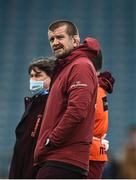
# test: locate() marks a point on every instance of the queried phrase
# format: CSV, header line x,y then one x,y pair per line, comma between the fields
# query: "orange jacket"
x,y
97,149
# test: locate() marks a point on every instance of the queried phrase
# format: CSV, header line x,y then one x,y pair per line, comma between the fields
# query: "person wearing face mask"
x,y
27,130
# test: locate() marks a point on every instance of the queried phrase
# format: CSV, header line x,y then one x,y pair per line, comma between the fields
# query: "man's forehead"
x,y
57,31
35,70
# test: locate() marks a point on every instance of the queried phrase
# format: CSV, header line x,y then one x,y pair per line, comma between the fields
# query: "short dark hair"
x,y
43,63
71,27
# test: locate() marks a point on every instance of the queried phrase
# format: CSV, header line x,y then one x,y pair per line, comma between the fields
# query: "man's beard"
x,y
63,55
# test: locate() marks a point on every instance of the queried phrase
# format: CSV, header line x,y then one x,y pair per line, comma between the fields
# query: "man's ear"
x,y
76,40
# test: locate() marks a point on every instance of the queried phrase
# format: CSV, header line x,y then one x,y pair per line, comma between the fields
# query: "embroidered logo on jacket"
x,y
78,84
33,133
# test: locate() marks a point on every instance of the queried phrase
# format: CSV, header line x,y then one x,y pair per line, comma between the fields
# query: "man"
x,y
99,146
28,128
62,150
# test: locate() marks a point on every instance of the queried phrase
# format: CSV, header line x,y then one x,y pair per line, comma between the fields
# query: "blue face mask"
x,y
36,86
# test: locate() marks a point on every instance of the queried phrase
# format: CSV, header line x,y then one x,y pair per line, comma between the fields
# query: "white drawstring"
x,y
103,141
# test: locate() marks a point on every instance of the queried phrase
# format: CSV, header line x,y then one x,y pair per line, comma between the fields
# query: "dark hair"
x,y
71,27
44,64
97,61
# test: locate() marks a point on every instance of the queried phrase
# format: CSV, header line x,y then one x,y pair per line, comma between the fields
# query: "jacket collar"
x,y
90,49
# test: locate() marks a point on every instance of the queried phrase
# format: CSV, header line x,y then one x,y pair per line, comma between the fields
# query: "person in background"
x,y
99,146
62,150
127,164
27,130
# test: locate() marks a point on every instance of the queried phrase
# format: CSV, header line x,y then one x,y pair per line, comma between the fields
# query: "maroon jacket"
x,y
70,108
27,133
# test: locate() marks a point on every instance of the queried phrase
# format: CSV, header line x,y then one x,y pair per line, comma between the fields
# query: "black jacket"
x,y
27,133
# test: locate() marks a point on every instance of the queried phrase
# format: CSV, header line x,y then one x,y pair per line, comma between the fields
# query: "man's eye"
x,y
52,39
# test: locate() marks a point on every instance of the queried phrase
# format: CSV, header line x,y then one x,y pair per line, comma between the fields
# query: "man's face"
x,y
37,74
61,43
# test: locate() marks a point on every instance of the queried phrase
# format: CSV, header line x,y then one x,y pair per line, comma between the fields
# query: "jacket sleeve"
x,y
81,87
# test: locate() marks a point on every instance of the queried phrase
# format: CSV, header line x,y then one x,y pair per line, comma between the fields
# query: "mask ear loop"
x,y
46,84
